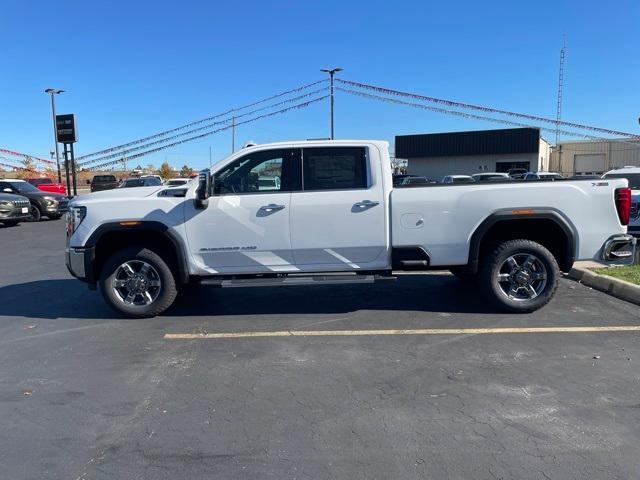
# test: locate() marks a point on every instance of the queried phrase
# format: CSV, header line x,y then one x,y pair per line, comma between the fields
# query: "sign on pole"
x,y
66,128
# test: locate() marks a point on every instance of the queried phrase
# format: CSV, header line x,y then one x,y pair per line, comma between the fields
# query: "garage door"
x,y
591,163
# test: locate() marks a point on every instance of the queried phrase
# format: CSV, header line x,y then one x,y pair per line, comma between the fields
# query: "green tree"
x,y
165,171
185,171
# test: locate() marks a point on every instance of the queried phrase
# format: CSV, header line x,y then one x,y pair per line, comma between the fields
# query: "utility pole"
x,y
53,92
233,134
331,73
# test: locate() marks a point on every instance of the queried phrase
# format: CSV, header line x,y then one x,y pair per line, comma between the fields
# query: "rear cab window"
x,y
334,168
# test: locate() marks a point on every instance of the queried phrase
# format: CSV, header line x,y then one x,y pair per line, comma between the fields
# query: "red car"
x,y
47,185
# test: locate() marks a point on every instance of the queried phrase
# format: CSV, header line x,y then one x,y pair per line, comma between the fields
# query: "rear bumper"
x,y
619,249
80,263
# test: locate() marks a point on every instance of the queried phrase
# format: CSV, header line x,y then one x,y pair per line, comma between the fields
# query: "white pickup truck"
x,y
319,212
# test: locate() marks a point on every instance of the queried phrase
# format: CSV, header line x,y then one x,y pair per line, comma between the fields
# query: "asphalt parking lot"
x,y
87,395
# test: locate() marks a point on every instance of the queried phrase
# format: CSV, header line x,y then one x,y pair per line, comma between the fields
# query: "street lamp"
x,y
331,73
53,92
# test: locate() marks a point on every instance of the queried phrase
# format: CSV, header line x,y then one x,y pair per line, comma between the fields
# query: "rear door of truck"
x,y
338,219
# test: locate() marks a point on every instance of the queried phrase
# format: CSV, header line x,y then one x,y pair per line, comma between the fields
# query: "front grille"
x,y
21,203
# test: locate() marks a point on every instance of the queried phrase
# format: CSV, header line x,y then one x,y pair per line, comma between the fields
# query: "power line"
x,y
122,153
206,134
201,121
469,106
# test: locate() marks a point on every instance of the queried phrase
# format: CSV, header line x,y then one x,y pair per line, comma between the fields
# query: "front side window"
x,y
262,171
334,168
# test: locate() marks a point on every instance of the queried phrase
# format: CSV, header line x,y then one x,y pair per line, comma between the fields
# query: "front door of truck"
x,y
338,218
245,228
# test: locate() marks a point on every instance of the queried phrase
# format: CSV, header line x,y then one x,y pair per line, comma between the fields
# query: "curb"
x,y
613,286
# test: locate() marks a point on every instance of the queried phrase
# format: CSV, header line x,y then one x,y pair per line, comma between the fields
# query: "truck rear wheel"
x,y
520,276
137,283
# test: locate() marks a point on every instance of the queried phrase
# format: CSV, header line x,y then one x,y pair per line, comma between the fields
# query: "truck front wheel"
x,y
520,276
137,283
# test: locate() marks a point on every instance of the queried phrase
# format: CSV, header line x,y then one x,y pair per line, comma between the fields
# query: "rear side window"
x,y
334,168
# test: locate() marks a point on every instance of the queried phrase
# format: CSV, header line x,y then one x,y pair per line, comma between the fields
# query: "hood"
x,y
120,193
42,194
10,197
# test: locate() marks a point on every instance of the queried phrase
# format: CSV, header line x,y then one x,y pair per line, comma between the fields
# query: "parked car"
x,y
415,180
397,179
140,182
176,182
551,176
457,179
632,174
42,204
158,177
13,209
268,183
47,185
103,182
490,177
584,177
517,173
341,221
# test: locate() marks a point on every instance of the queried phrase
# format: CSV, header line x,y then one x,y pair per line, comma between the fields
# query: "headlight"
x,y
5,203
75,215
51,202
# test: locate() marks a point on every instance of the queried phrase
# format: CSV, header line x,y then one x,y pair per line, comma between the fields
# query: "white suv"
x,y
633,175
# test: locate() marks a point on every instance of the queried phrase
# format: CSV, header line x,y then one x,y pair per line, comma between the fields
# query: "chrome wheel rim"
x,y
136,283
522,277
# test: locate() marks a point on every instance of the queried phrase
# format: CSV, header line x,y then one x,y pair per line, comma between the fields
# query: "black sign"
x,y
66,128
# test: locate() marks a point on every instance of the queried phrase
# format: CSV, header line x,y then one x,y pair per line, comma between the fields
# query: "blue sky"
x,y
138,67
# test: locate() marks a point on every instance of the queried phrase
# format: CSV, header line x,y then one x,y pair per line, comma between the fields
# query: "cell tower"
x,y
560,85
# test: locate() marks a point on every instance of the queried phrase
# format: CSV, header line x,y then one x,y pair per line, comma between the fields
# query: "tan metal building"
x,y
594,157
435,155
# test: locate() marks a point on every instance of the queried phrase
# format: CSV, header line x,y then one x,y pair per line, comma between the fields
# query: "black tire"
x,y
163,297
36,214
464,273
522,287
10,223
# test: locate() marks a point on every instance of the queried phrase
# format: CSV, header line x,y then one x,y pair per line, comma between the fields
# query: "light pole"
x,y
331,73
53,92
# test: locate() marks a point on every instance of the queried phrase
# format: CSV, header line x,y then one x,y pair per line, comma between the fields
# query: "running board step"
x,y
297,280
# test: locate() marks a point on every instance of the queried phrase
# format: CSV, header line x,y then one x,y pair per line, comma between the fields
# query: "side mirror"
x,y
203,192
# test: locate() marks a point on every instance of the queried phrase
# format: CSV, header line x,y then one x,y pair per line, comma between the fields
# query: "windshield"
x,y
40,181
133,182
173,183
24,187
634,178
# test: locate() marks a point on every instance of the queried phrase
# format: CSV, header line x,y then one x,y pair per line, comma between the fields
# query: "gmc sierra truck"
x,y
320,212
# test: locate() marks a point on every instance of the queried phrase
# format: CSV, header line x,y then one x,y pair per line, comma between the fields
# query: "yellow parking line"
x,y
420,331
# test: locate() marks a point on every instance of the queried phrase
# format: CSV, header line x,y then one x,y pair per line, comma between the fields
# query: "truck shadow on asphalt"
x,y
68,298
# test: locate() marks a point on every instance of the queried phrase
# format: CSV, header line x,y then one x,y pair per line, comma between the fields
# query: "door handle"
x,y
365,204
272,207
